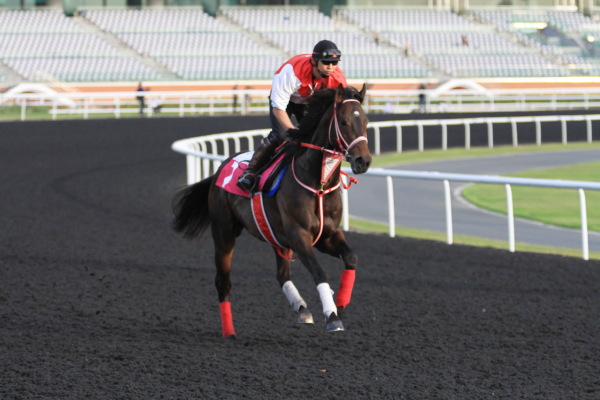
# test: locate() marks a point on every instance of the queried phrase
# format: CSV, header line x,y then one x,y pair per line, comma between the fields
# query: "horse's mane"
x,y
318,103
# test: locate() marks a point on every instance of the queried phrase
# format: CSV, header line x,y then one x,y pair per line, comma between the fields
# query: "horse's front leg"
x,y
284,277
336,246
303,248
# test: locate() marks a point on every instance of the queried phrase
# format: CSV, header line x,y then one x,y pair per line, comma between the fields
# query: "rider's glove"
x,y
293,133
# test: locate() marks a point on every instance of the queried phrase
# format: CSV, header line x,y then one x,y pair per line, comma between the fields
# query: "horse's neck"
x,y
312,160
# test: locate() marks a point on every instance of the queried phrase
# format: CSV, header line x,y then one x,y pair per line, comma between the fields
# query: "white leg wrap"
x,y
293,296
326,295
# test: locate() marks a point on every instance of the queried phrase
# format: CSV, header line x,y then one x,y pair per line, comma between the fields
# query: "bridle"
x,y
343,145
341,141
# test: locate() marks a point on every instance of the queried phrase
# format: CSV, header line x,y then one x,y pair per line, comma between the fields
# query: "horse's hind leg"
x,y
296,301
337,246
223,283
224,234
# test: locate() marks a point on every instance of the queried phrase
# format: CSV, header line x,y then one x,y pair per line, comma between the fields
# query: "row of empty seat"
x,y
566,21
455,42
31,21
352,43
154,20
493,65
190,44
396,20
54,45
280,20
224,67
250,43
82,69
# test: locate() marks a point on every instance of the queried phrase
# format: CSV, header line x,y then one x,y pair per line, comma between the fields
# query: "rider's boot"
x,y
262,153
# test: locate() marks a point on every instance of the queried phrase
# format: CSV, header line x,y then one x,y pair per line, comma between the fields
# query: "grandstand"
x,y
249,43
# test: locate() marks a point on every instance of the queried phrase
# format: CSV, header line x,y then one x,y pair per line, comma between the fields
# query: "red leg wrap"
x,y
346,285
226,319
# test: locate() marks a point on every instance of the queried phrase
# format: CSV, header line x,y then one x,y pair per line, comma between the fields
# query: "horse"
x,y
303,214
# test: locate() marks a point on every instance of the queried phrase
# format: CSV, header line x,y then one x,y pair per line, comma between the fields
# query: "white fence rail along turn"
x,y
205,153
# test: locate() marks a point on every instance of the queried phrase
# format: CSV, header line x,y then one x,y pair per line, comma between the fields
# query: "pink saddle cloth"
x,y
234,168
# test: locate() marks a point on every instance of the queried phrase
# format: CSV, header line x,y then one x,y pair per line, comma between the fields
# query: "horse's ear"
x,y
363,92
339,93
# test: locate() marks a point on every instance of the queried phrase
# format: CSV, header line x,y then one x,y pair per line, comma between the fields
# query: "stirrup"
x,y
247,182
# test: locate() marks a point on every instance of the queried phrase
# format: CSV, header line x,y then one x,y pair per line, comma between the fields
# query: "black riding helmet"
x,y
326,50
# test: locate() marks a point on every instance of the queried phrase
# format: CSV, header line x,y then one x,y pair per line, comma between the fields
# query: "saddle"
x,y
269,176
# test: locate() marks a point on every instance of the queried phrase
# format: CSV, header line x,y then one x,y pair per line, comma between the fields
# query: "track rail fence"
x,y
255,101
204,154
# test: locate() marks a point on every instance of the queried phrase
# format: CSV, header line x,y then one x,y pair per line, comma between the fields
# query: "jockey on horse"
x,y
292,84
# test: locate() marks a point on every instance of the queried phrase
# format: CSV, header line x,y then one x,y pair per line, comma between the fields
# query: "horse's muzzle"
x,y
360,164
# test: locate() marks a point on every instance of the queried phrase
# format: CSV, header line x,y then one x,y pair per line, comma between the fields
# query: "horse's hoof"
x,y
334,324
304,316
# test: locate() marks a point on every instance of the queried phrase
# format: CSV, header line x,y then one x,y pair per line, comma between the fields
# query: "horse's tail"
x,y
190,209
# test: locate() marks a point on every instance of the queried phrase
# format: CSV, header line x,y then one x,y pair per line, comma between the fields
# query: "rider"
x,y
293,82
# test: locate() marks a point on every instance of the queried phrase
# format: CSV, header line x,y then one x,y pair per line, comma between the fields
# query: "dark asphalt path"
x,y
420,204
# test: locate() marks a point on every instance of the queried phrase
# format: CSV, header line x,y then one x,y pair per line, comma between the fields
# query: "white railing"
x,y
446,178
488,121
203,158
248,101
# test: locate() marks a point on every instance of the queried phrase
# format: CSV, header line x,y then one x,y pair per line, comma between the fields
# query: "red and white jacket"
x,y
294,82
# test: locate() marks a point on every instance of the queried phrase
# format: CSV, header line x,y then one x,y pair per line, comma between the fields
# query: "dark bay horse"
x,y
303,214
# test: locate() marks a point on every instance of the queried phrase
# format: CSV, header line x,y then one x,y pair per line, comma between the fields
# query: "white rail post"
x,y
444,135
515,136
511,219
377,136
398,138
391,210
563,129
421,138
538,132
345,207
467,135
584,226
23,109
588,124
490,126
448,199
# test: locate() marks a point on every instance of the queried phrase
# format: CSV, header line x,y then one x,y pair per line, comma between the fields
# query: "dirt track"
x,y
99,299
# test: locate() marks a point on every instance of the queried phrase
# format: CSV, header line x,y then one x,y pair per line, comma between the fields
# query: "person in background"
x,y
141,99
422,98
292,84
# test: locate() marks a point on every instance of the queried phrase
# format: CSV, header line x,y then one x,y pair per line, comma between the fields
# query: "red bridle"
x,y
341,141
343,145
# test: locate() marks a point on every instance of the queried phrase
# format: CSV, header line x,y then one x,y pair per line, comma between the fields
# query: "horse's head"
x,y
348,128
